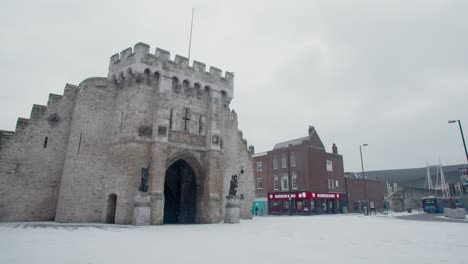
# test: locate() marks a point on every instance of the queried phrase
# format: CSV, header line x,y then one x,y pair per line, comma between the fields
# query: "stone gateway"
x,y
84,157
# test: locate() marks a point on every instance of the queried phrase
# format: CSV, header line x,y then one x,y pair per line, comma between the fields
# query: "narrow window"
x,y
294,181
283,161
170,120
336,183
200,125
293,160
79,144
175,85
275,164
259,166
259,183
276,183
45,142
121,121
329,165
284,185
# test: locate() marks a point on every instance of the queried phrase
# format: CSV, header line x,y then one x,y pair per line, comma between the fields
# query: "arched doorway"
x,y
111,208
179,194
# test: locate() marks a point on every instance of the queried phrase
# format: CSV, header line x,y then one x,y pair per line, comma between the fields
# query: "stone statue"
x,y
144,178
233,185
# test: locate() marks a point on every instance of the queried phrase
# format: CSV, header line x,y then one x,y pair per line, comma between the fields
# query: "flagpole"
x,y
190,41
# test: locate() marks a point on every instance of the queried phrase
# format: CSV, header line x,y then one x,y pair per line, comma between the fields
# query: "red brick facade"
x,y
303,165
360,190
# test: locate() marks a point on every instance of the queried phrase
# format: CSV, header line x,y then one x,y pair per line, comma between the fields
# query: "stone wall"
x,y
31,160
148,109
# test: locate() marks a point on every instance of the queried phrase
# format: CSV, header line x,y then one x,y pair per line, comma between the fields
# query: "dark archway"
x,y
111,208
180,194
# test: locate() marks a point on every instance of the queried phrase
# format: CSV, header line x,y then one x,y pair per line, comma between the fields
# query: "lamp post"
x,y
463,137
363,177
289,178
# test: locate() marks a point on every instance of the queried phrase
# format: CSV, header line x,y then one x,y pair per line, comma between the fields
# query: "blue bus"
x,y
432,204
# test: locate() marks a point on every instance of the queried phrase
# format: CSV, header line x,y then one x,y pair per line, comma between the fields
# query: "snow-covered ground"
x,y
314,239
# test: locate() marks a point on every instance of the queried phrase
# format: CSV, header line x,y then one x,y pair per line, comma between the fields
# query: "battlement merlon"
x,y
139,58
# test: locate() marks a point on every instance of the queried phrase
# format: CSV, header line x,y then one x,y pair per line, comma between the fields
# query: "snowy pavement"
x,y
282,239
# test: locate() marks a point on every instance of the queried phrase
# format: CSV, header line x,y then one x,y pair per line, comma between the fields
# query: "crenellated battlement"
x,y
139,58
38,111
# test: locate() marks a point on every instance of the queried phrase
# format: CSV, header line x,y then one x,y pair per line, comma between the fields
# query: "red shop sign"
x,y
326,196
293,195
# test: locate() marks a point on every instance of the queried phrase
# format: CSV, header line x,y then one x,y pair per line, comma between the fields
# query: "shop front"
x,y
305,203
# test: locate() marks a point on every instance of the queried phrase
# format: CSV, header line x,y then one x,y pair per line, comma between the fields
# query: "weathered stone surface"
x,y
101,133
232,213
142,209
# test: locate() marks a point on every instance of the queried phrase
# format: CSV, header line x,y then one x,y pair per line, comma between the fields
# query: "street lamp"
x,y
463,137
363,177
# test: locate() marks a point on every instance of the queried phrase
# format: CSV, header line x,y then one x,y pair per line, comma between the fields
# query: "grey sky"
x,y
386,73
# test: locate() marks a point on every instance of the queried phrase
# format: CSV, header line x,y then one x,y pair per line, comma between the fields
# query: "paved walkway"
x,y
432,218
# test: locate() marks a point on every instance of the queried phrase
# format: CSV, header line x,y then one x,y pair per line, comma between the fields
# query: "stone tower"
x,y
79,159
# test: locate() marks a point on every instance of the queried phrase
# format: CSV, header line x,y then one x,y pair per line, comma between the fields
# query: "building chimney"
x,y
334,149
252,149
311,128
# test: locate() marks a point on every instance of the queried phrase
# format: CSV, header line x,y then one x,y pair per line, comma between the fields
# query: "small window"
x,y
336,183
275,164
276,183
294,181
293,160
284,183
259,183
283,161
259,166
329,165
45,141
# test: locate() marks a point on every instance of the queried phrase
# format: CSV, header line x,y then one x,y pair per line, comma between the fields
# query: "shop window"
x,y
259,166
294,180
275,207
293,160
259,183
276,183
275,164
284,183
283,161
329,165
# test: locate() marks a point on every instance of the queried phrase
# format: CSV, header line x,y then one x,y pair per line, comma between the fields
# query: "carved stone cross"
x,y
186,118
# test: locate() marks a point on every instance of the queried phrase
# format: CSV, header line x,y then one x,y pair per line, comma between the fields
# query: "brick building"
x,y
360,190
300,177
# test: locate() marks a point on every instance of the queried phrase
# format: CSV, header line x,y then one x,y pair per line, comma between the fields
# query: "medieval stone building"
x,y
79,159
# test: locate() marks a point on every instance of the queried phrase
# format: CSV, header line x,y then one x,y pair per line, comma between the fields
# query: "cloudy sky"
x,y
386,73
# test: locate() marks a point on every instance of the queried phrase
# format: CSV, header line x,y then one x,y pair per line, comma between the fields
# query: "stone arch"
x,y
111,208
156,76
197,88
121,76
175,85
184,182
186,88
208,90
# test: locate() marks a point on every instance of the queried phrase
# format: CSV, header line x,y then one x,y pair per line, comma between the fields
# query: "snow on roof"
x,y
259,154
293,142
